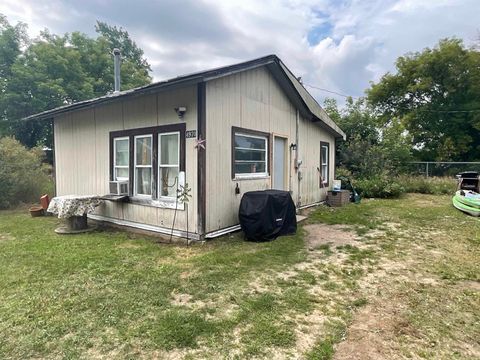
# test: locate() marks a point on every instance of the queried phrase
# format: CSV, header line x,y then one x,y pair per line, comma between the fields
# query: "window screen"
x,y
324,149
250,155
143,165
121,158
168,164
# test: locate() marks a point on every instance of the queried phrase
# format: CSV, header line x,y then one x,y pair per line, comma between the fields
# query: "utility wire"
x,y
446,111
331,91
420,110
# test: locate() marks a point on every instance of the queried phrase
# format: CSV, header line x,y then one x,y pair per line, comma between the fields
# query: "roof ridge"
x,y
305,100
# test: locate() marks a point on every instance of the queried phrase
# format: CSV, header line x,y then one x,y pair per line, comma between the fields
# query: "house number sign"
x,y
191,134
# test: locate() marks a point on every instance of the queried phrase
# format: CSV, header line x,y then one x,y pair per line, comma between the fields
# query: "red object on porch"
x,y
44,200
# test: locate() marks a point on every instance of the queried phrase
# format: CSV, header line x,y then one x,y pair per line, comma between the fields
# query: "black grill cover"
x,y
265,215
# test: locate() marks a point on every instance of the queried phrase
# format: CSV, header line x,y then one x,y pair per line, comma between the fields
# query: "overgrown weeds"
x,y
395,186
428,185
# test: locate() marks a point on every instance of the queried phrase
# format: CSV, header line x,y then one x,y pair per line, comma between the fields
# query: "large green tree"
x,y
371,148
435,95
58,70
12,38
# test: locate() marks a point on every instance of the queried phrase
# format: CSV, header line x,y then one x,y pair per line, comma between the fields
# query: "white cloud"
x,y
415,5
354,42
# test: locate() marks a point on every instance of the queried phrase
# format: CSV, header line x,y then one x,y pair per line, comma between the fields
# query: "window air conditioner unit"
x,y
119,187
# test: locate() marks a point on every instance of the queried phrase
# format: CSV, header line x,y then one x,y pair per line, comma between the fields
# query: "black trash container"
x,y
469,180
265,215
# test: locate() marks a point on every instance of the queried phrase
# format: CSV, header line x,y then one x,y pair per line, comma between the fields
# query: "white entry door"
x,y
279,153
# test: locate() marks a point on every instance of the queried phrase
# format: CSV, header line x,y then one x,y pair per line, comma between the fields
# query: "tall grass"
x,y
394,187
428,185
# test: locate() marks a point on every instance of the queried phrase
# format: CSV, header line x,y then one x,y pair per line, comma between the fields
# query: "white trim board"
x,y
177,233
224,231
153,228
220,232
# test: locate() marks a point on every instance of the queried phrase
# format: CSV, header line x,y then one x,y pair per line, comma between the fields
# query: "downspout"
x,y
297,161
54,162
290,160
201,160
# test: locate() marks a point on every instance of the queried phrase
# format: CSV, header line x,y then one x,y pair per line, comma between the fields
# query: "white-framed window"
x,y
324,161
143,165
168,164
152,159
250,155
121,158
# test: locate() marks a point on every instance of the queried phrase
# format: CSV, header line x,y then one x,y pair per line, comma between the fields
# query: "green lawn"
x,y
117,295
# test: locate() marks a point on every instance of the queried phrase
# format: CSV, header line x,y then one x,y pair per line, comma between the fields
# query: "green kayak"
x,y
467,201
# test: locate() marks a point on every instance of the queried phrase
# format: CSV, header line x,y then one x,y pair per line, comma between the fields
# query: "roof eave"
x,y
155,87
313,111
300,97
152,88
336,131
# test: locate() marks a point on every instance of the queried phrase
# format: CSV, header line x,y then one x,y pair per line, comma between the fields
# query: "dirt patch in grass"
x,y
372,335
188,274
258,286
385,229
181,299
129,245
334,235
6,237
469,285
426,202
309,329
373,332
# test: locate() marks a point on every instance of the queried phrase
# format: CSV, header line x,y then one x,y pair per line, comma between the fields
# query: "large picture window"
x,y
250,153
324,163
121,158
151,159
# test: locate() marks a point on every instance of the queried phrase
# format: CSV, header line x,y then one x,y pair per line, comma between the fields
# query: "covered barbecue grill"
x,y
265,215
469,180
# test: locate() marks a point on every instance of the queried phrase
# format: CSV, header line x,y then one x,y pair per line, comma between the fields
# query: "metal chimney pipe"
x,y
116,68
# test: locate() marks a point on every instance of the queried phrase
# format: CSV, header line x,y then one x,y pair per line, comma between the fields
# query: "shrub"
x,y
23,176
392,187
379,187
430,185
342,171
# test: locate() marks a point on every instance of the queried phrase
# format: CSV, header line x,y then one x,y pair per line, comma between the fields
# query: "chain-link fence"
x,y
442,168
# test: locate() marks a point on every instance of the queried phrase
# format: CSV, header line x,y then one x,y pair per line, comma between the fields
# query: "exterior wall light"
x,y
181,110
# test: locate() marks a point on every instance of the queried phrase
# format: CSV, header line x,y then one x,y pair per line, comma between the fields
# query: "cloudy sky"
x,y
340,45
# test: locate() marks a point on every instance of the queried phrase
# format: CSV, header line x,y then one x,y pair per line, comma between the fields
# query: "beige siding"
x,y
140,112
107,118
83,122
82,152
253,100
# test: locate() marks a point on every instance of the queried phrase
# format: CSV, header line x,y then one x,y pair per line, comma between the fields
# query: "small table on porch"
x,y
74,209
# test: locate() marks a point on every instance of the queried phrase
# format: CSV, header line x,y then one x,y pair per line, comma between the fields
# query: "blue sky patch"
x,y
319,32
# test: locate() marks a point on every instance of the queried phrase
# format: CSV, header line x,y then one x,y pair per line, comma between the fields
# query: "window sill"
x,y
157,203
251,177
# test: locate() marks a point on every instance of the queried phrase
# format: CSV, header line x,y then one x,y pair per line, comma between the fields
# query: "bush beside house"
x,y
23,175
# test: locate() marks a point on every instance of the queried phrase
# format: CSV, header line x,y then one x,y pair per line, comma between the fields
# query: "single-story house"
x,y
226,131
